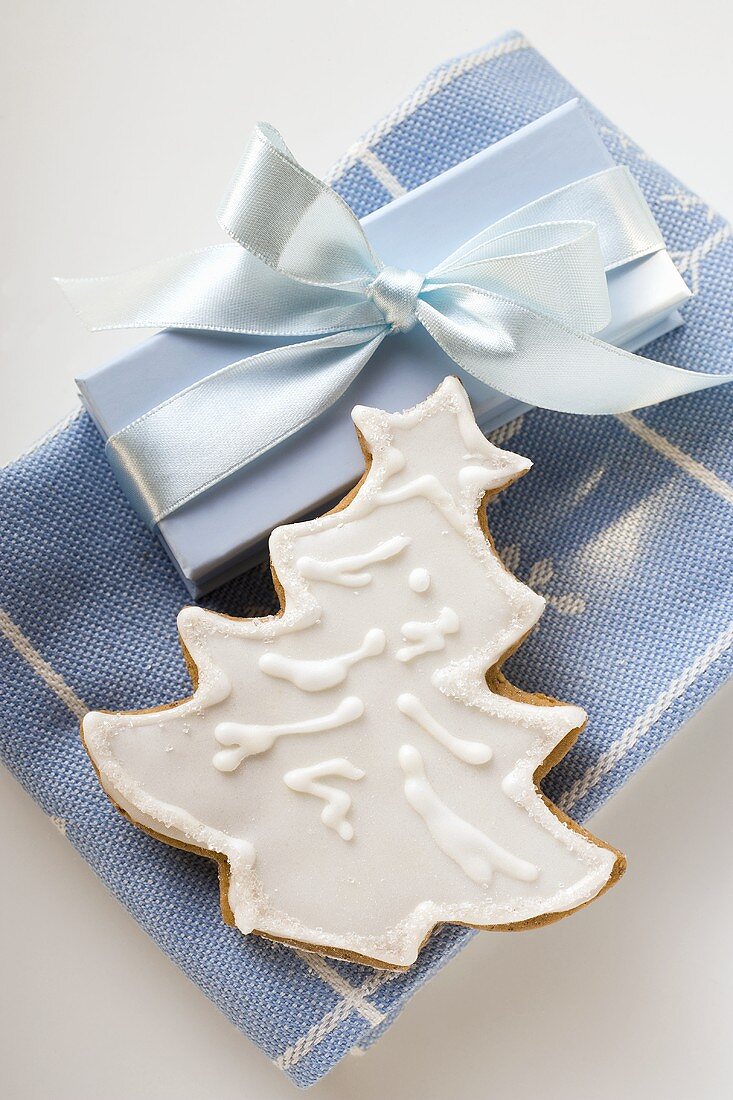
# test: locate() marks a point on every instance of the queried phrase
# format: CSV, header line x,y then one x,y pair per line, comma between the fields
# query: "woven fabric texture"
x,y
624,525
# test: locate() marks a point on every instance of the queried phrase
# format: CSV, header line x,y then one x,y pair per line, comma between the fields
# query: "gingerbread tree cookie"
x,y
350,763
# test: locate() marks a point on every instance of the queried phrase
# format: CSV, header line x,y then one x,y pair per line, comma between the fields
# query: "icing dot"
x,y
419,580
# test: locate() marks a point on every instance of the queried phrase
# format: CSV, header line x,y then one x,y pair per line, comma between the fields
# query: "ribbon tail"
x,y
214,428
539,361
222,289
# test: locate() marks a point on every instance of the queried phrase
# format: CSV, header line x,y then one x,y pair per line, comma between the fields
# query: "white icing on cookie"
x,y
326,673
338,802
347,571
419,580
242,741
427,637
379,895
427,486
472,752
474,852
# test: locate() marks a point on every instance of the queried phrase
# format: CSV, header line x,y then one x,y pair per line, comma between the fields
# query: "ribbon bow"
x,y
516,306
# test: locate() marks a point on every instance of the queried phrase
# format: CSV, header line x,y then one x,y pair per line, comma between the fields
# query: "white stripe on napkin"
x,y
680,458
30,654
328,1023
689,262
623,744
381,172
331,977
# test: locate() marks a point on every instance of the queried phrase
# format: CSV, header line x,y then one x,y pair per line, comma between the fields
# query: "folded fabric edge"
x,y
55,430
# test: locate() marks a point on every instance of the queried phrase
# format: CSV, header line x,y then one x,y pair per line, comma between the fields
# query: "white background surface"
x,y
120,125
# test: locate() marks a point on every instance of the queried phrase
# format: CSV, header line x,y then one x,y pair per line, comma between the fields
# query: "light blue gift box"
x,y
222,532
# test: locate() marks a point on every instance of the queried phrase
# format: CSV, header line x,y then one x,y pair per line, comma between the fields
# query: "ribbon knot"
x,y
395,292
516,306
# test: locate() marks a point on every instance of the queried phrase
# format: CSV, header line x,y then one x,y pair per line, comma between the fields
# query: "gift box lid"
x,y
218,534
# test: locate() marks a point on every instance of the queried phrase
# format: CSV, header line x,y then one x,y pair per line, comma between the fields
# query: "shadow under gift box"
x,y
222,532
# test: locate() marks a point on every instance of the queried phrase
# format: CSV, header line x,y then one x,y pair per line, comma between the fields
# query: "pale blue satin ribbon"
x,y
516,306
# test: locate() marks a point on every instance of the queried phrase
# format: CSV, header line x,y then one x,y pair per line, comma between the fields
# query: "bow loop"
x,y
555,268
395,293
292,221
610,200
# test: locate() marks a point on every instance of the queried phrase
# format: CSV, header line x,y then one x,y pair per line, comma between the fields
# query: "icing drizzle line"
x,y
319,675
347,571
472,850
338,802
428,637
471,752
241,741
428,486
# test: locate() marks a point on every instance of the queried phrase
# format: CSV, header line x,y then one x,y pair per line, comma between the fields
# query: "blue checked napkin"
x,y
624,525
